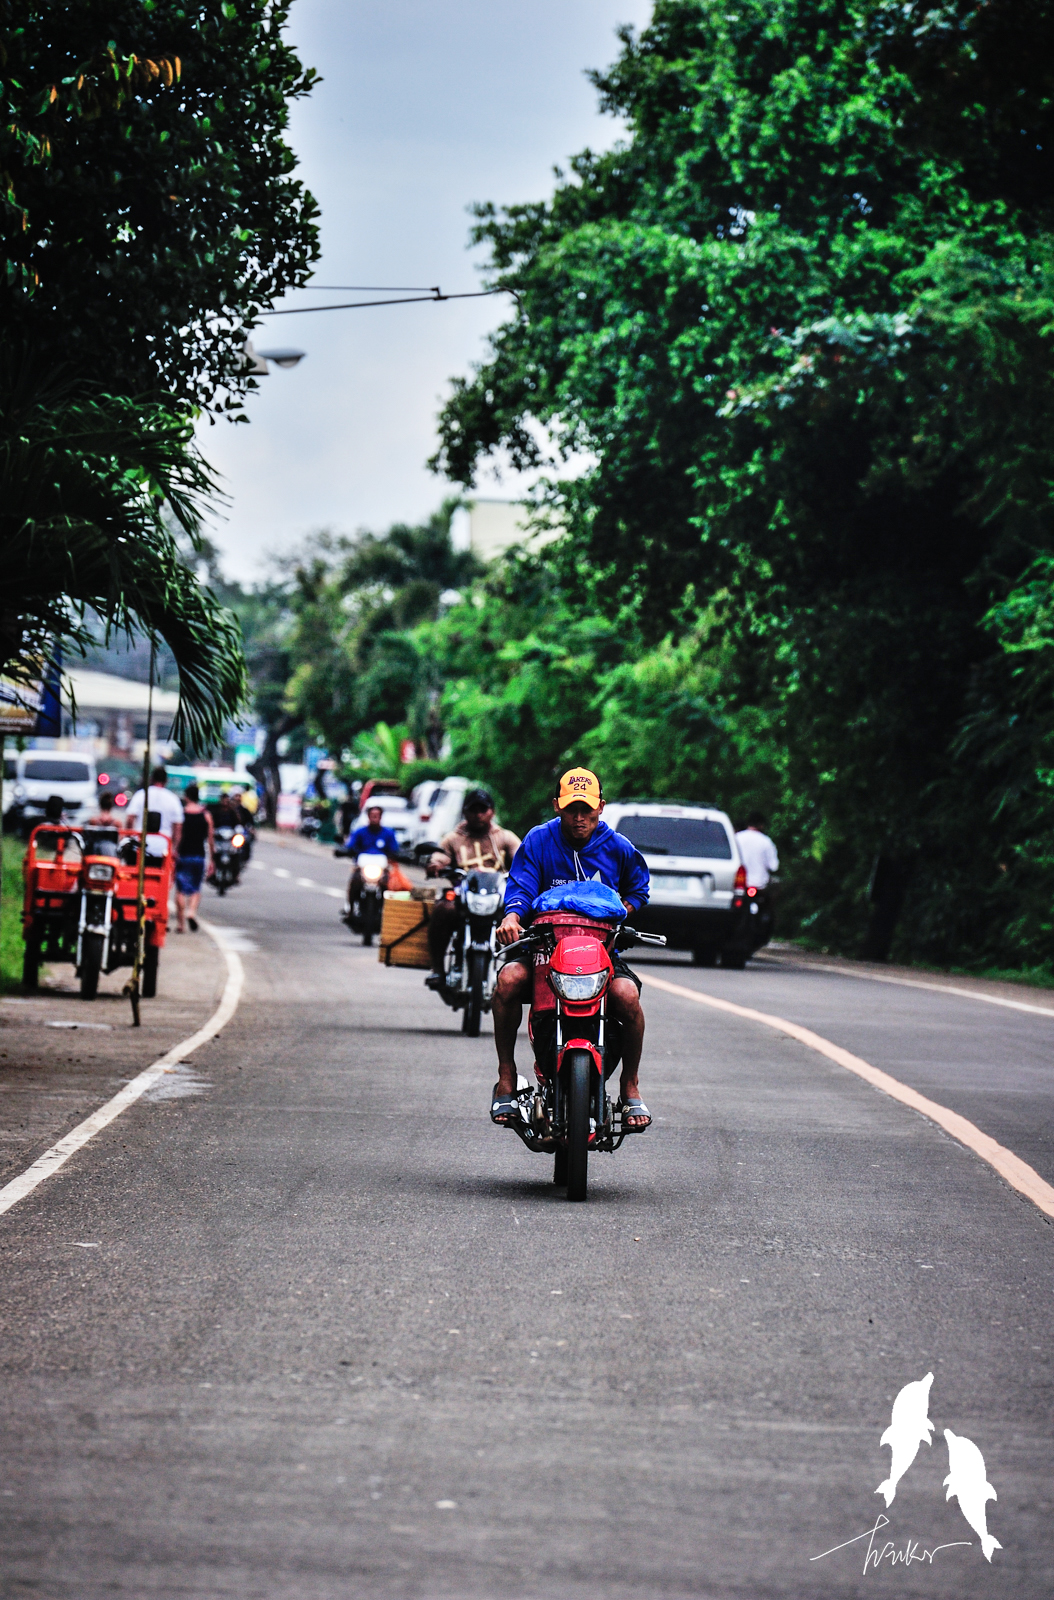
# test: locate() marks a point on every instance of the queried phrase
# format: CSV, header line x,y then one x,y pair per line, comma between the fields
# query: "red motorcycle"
x,y
576,1049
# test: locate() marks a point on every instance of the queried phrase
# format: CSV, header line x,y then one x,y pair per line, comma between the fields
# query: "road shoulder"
x,y
62,1057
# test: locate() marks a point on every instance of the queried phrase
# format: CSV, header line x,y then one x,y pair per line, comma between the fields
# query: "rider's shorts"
x,y
624,970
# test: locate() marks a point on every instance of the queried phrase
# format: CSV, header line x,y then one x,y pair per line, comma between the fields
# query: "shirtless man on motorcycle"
x,y
575,846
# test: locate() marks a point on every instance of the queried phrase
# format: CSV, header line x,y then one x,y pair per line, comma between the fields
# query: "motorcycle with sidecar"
x,y
81,893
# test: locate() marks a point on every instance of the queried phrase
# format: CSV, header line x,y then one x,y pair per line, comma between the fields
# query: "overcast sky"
x,y
423,110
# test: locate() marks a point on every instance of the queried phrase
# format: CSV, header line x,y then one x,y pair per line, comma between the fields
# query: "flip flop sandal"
x,y
502,1106
635,1108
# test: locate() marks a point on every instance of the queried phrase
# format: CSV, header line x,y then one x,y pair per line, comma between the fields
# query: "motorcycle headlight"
x,y
579,985
482,902
99,873
238,840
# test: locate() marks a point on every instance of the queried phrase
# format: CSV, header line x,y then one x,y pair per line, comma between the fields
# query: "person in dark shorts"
x,y
195,842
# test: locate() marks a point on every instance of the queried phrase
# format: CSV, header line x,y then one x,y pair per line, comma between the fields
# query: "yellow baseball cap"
x,y
579,784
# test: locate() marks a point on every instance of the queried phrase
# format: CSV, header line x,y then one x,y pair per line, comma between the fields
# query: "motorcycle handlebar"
x,y
626,935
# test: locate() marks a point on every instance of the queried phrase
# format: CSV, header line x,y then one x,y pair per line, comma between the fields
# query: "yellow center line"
x,y
1017,1173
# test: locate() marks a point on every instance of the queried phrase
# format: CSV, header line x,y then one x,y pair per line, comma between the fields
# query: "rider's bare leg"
x,y
626,1006
181,909
511,990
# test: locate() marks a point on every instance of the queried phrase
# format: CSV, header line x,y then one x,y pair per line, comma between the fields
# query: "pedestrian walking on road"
x,y
195,840
162,804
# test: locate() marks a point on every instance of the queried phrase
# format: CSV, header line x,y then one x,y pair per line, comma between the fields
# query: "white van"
x,y
31,778
437,805
693,859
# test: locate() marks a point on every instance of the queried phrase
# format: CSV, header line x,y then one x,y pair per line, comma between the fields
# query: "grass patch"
x,y
1030,977
1034,977
11,946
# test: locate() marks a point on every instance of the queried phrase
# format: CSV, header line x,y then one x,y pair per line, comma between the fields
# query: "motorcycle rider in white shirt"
x,y
757,852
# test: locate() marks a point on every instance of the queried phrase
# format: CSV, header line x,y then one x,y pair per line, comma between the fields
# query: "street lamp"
x,y
255,361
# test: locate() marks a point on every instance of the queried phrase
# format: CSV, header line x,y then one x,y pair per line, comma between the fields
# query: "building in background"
x,y
111,717
490,527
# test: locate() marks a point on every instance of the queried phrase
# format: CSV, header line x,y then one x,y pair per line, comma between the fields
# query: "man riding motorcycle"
x,y
577,845
373,836
475,842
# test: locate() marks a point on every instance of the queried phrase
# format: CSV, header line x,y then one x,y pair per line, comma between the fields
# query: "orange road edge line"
x,y
1017,1173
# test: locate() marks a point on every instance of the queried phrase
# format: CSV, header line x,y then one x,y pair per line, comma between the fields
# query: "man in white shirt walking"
x,y
757,851
165,804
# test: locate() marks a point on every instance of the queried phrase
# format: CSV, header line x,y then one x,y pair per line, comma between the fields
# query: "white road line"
x,y
918,983
307,883
337,894
1017,1173
59,1154
280,872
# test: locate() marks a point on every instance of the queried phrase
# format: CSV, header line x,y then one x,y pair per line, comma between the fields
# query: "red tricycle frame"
x,y
81,891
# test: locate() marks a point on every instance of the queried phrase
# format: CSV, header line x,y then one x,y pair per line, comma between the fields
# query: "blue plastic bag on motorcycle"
x,y
588,899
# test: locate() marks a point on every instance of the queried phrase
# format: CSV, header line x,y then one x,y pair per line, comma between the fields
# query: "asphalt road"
x,y
317,1330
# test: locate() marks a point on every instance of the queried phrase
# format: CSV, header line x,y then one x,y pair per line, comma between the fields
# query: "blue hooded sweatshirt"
x,y
545,859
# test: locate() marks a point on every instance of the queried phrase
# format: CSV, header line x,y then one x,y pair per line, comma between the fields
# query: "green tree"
x,y
800,319
357,659
89,487
149,213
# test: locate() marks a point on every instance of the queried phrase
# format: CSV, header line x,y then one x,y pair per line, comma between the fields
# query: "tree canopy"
x,y
149,211
800,320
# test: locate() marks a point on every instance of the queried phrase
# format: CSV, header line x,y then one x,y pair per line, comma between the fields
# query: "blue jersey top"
x,y
545,858
366,841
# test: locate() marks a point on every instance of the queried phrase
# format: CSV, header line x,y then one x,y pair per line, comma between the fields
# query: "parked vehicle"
x,y
469,972
81,894
32,777
437,808
569,1113
698,882
230,853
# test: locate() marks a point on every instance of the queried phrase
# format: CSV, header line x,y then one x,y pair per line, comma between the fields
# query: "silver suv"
x,y
693,859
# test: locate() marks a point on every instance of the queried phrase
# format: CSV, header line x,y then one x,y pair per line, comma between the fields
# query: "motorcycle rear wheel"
x,y
474,999
560,1166
578,1086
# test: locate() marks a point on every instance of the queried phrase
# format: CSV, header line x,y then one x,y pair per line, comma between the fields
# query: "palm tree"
x,y
94,489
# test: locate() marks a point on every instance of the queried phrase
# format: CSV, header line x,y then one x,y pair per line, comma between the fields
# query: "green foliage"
x,y
531,688
149,214
356,661
86,480
801,319
12,947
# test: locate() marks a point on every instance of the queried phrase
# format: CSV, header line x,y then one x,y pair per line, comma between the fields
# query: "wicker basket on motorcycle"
x,y
404,934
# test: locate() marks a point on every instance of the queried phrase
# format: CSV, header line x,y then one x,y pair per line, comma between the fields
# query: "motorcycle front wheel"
x,y
578,1069
150,955
31,964
91,965
474,999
